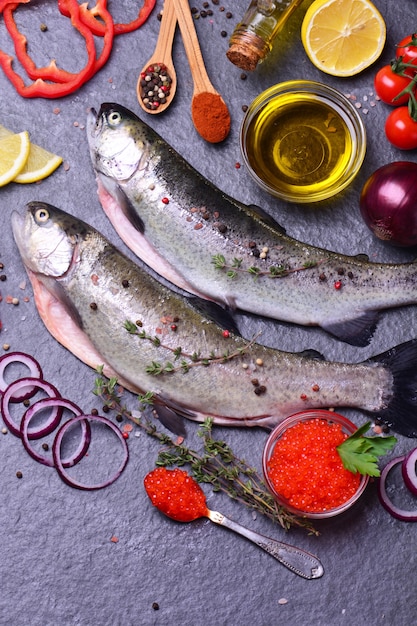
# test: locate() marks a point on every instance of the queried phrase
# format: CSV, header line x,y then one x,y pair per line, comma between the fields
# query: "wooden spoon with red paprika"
x,y
209,112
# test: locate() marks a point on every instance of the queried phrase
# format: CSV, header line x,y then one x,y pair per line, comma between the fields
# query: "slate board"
x,y
59,565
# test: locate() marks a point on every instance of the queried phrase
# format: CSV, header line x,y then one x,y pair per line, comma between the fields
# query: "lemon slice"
x,y
343,37
14,152
39,165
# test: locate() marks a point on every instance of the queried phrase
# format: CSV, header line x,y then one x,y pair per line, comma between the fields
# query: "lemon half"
x,y
343,37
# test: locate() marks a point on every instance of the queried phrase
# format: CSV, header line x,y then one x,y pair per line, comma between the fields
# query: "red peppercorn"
x,y
125,435
226,334
338,284
174,327
165,200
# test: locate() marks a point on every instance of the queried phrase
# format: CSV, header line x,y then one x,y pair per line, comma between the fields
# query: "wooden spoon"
x,y
210,114
162,55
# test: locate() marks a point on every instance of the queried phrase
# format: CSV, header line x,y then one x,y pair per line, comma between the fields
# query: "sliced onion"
x,y
14,390
61,403
58,462
409,471
401,514
35,371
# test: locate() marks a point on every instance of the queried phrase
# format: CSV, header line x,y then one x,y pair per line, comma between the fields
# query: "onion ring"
x,y
56,452
78,454
23,383
409,471
34,368
401,514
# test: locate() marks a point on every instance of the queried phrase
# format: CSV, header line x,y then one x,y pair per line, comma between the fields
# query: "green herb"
x,y
187,360
216,464
360,454
274,271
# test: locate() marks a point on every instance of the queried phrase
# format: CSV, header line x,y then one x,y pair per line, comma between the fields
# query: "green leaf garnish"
x,y
361,454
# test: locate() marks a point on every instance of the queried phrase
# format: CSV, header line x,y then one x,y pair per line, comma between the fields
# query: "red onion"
x,y
401,514
409,471
56,451
14,390
35,371
42,404
388,203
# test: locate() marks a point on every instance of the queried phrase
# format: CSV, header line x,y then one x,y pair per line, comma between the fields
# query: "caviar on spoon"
x,y
157,81
176,494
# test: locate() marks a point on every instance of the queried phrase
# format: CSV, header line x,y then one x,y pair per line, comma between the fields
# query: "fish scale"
x,y
86,290
176,221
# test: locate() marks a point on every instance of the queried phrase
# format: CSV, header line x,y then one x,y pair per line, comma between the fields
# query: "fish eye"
x,y
42,216
114,118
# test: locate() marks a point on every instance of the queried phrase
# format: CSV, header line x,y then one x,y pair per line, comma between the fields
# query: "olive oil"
x,y
299,145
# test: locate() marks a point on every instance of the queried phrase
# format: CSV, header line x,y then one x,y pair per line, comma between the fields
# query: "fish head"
x,y
47,239
117,140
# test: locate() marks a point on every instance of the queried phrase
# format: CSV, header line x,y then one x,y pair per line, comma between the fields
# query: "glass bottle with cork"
x,y
253,37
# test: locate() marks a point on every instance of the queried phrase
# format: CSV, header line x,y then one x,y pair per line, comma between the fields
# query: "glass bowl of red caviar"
x,y
303,469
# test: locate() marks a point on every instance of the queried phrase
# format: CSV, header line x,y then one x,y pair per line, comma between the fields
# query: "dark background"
x,y
59,566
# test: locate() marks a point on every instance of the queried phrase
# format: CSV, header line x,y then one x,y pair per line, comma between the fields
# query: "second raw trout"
x,y
108,311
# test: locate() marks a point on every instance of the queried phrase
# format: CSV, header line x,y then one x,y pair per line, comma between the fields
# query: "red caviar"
x,y
306,469
175,494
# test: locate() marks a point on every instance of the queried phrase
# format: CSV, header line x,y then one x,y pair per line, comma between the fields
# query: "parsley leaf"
x,y
360,454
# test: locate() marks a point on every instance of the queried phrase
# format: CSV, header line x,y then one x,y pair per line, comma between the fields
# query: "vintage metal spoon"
x,y
202,82
298,561
162,56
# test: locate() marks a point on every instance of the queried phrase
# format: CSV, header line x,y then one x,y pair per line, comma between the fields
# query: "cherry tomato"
x,y
389,84
407,49
401,129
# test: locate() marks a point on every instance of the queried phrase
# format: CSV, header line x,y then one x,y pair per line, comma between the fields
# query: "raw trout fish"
x,y
109,311
211,245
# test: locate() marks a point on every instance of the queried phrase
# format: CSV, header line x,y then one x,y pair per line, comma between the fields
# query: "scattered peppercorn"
x,y
43,27
93,306
155,606
338,284
165,200
125,283
19,475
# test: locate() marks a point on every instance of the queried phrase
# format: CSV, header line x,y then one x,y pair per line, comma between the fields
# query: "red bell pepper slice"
x,y
89,17
64,82
52,72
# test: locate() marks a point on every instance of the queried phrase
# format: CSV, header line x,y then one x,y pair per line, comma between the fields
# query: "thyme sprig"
x,y
273,271
216,464
185,360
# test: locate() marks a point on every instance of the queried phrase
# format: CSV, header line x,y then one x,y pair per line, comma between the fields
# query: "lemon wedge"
x,y
14,152
343,37
39,165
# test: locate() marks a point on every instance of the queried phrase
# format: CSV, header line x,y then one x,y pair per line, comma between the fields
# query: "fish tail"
x,y
400,413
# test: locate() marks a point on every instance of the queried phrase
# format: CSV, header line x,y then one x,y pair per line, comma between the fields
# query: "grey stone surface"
x,y
59,566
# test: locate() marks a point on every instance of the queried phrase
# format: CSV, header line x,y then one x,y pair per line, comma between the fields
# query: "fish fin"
x,y
170,419
364,258
312,354
357,331
216,313
267,218
114,190
58,292
400,413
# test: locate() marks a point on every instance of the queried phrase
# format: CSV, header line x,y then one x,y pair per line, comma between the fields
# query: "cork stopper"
x,y
243,57
246,50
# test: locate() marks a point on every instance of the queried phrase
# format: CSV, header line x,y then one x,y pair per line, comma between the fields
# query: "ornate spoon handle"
x,y
298,561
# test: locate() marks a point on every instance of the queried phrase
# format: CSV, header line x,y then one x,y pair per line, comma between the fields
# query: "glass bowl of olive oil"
x,y
302,141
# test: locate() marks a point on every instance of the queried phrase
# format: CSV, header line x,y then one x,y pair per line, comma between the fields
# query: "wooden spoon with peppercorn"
x,y
157,81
